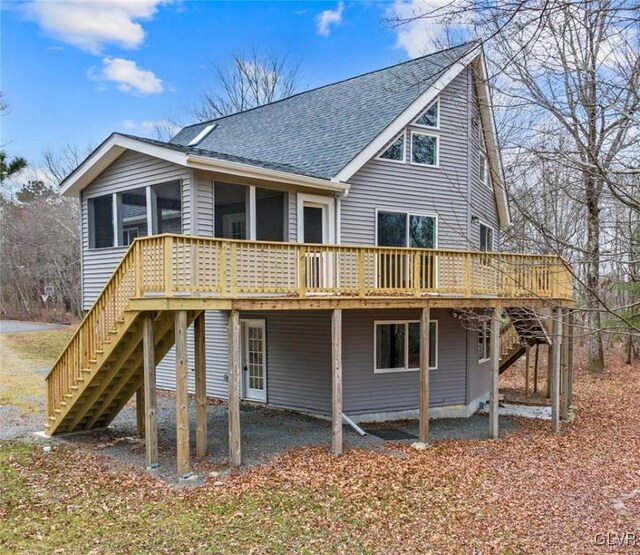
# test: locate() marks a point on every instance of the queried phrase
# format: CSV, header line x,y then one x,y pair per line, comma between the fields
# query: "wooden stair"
x,y
524,329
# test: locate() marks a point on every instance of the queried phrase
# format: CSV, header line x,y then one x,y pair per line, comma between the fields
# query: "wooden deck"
x,y
102,365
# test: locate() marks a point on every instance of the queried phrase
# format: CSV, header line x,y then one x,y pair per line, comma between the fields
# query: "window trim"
x,y
422,125
406,323
493,235
484,176
437,138
408,214
402,135
486,332
151,216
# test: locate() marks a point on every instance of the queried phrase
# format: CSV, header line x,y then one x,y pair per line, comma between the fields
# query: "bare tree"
x,y
571,73
251,79
61,162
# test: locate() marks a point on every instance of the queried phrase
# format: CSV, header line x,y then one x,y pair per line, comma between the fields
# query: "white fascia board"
x,y
116,144
244,170
106,154
406,117
491,142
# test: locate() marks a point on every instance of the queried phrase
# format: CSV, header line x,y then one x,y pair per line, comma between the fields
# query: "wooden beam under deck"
x,y
201,385
330,303
233,326
150,392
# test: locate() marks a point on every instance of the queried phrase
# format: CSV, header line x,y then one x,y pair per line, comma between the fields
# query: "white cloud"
x,y
328,18
417,35
151,128
128,77
92,24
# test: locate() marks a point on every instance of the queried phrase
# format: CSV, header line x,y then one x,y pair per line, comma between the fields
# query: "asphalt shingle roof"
x,y
317,132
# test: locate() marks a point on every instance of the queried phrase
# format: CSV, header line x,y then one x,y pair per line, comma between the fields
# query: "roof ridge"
x,y
333,83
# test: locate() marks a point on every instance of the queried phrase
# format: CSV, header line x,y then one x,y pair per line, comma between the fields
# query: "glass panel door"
x,y
254,360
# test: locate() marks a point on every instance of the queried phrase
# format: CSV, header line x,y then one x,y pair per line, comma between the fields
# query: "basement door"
x,y
254,360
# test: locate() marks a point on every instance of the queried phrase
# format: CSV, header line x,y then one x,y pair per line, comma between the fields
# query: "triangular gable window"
x,y
395,150
430,117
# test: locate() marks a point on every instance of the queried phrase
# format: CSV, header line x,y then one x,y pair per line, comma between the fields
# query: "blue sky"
x,y
75,71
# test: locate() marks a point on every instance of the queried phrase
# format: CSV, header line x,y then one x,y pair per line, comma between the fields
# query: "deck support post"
x,y
201,385
554,358
549,364
570,326
182,396
564,368
535,368
150,397
233,326
423,435
526,369
495,374
336,381
140,411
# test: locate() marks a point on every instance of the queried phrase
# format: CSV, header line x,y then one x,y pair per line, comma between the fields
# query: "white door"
x,y
316,225
254,360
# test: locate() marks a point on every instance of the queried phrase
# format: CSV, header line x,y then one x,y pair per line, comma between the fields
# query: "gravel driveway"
x,y
15,326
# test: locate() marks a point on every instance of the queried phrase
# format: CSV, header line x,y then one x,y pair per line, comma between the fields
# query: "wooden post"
x,y
570,321
555,369
140,414
201,385
495,374
336,381
234,388
564,368
182,396
535,369
150,405
423,435
526,369
549,366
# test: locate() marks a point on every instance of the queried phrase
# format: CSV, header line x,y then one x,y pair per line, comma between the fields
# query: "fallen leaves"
x,y
531,492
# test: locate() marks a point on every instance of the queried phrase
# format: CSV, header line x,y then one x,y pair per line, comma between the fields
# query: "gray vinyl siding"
x,y
299,363
130,171
479,373
482,198
366,391
441,191
217,358
204,205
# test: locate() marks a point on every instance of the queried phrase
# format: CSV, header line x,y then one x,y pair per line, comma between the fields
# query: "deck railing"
x,y
178,265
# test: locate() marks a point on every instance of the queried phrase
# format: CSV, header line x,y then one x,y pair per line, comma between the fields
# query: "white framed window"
x,y
424,149
430,117
396,345
484,342
116,220
406,229
486,238
396,151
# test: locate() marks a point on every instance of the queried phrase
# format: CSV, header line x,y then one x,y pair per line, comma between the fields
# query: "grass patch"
x,y
25,358
41,346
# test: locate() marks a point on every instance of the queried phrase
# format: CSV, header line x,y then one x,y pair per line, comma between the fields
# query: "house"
x,y
335,253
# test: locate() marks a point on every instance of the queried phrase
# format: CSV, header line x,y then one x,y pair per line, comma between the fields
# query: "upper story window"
x,y
397,346
118,219
402,229
431,116
424,149
395,151
486,238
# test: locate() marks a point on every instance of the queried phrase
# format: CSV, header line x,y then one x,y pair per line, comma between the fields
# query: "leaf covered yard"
x,y
529,493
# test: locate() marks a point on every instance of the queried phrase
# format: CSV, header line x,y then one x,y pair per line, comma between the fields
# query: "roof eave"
x,y
117,144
